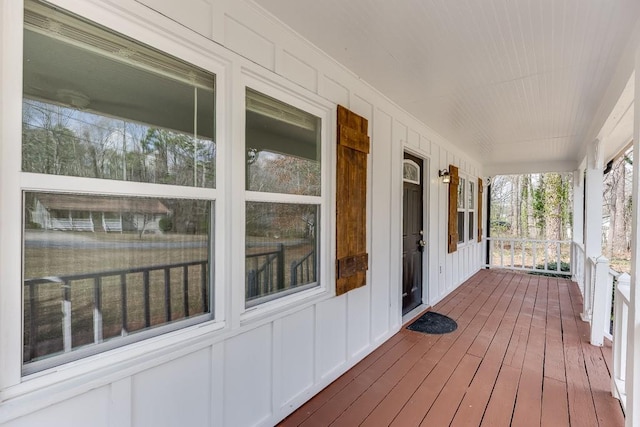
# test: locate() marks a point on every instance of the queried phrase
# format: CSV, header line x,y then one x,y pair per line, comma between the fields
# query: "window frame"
x,y
282,91
174,41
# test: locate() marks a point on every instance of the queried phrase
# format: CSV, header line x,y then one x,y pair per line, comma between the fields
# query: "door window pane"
x,y
283,147
281,249
98,269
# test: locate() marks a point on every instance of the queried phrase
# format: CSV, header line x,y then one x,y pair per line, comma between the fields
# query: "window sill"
x,y
281,306
49,386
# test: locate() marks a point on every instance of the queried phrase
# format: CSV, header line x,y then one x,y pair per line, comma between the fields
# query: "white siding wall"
x,y
258,371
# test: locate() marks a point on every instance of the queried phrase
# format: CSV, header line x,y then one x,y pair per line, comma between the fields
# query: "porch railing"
x,y
598,281
577,264
540,256
620,327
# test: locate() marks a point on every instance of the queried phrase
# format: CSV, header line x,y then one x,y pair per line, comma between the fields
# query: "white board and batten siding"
x,y
257,371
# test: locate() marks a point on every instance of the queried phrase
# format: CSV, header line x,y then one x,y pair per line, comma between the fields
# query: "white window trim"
x,y
472,209
283,91
138,24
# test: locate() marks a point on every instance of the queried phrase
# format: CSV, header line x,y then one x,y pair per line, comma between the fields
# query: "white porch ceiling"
x,y
520,84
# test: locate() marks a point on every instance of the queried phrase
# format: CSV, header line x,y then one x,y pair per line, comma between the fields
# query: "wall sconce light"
x,y
444,174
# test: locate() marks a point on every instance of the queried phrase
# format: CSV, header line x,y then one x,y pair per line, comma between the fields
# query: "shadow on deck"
x,y
520,357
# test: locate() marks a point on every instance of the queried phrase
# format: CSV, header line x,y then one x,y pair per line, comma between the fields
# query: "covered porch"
x,y
520,356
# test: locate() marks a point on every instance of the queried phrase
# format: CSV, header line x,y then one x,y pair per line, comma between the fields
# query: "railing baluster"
x,y
33,324
534,249
167,294
185,289
513,242
147,303
204,286
559,263
501,253
123,292
97,309
280,284
66,317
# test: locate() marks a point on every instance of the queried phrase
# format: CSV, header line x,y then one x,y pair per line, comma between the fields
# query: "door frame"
x,y
425,227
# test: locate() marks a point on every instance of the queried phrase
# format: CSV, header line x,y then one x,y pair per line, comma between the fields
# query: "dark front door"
x,y
412,234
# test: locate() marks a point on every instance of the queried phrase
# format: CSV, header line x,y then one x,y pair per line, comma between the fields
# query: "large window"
x,y
107,264
283,182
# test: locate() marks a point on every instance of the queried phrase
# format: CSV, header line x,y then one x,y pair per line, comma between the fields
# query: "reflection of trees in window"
x,y
62,141
277,173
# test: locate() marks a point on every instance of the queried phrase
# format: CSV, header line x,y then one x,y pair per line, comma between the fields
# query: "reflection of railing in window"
x,y
60,333
303,270
264,278
266,272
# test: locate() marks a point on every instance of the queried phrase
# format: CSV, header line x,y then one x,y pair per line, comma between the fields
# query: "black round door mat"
x,y
433,323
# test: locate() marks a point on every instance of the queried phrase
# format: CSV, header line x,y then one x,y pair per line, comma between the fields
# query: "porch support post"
x,y
600,318
577,235
578,206
593,221
632,380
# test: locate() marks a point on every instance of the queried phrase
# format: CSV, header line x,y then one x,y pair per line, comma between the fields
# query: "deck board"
x,y
520,356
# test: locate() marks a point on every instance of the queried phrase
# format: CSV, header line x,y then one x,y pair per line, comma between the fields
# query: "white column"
x,y
593,220
600,318
577,235
632,381
578,206
11,18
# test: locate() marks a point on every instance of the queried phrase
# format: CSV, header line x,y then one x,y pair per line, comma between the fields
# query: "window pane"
x,y
470,203
116,265
461,228
281,249
411,172
99,105
283,147
461,191
471,226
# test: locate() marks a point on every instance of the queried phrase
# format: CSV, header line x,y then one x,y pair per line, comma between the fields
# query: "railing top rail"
x,y
624,290
614,273
263,253
84,276
518,239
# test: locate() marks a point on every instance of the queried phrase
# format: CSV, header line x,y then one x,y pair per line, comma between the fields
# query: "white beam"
x,y
632,381
578,206
593,221
10,196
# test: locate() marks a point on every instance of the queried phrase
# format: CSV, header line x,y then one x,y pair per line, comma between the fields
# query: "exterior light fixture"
x,y
444,174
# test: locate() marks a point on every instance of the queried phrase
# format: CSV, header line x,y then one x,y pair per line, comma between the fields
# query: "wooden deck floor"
x,y
519,357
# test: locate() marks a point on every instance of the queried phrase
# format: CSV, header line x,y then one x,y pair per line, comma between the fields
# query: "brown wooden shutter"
x,y
352,260
479,209
453,209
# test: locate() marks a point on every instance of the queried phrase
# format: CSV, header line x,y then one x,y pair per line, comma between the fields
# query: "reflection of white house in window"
x,y
91,213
